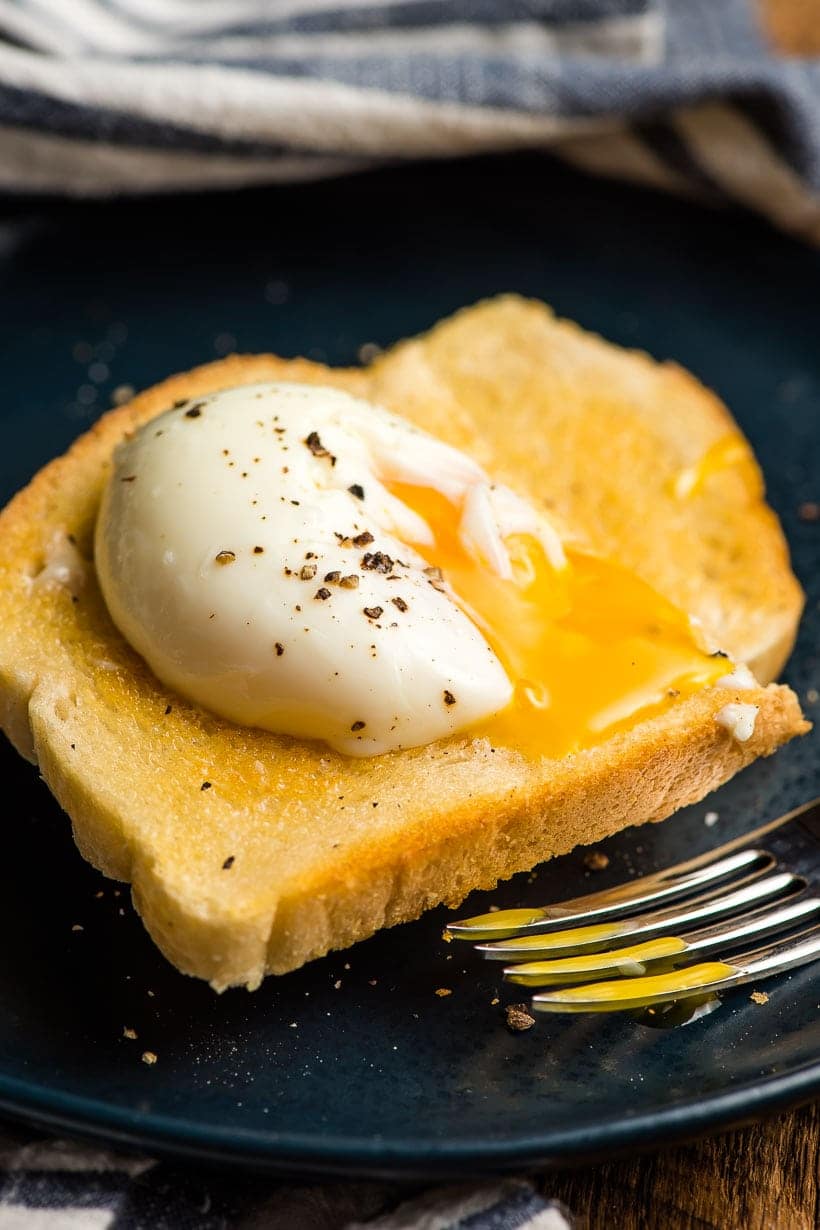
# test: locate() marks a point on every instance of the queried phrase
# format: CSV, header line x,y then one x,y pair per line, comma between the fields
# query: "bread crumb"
x,y
596,860
442,991
519,1018
127,1032
809,511
337,984
372,982
76,927
710,819
495,1000
149,1057
122,394
812,696
445,935
759,997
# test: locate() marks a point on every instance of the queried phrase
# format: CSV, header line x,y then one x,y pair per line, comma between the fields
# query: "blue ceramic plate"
x,y
354,1064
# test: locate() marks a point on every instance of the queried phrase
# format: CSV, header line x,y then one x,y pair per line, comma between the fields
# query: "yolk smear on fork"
x,y
589,648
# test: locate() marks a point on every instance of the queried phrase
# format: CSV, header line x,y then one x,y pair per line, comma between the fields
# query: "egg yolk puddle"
x,y
588,648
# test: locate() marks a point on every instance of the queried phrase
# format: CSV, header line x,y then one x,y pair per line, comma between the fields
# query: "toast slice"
x,y
295,850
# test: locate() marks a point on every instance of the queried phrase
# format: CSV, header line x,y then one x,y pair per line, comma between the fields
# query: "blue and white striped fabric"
x,y
107,96
59,1185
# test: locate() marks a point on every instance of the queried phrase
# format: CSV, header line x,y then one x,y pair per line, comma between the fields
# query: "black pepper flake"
x,y
400,603
167,709
205,786
358,726
719,653
280,649
333,578
229,862
195,411
310,555
363,540
350,582
356,489
317,448
435,577
377,561
129,478
322,593
225,557
183,401
449,699
307,572
295,503
373,612
258,550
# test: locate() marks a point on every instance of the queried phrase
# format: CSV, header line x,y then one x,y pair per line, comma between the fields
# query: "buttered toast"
x,y
291,849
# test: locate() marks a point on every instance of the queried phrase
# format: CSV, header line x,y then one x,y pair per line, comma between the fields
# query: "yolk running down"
x,y
728,452
588,647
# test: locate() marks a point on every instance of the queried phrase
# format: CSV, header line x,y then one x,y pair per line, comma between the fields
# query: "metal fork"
x,y
644,943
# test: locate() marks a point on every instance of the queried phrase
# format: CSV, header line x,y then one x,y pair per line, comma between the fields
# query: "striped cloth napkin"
x,y
60,1185
104,96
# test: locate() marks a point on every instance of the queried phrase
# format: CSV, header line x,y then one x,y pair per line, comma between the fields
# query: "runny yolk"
x,y
729,452
588,647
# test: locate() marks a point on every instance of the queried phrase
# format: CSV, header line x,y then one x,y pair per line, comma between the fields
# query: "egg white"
x,y
219,524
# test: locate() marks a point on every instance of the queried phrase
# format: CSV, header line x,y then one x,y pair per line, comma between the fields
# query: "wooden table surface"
x,y
763,1177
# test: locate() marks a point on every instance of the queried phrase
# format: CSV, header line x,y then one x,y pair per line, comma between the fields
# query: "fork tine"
x,y
742,854
655,889
637,992
665,951
712,977
683,918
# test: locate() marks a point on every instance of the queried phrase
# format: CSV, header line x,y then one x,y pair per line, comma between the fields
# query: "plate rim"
x,y
186,1140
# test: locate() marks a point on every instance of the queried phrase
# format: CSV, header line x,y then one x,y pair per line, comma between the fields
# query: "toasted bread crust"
x,y
316,864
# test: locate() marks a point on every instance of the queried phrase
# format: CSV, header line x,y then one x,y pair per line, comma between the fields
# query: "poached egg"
x,y
293,558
